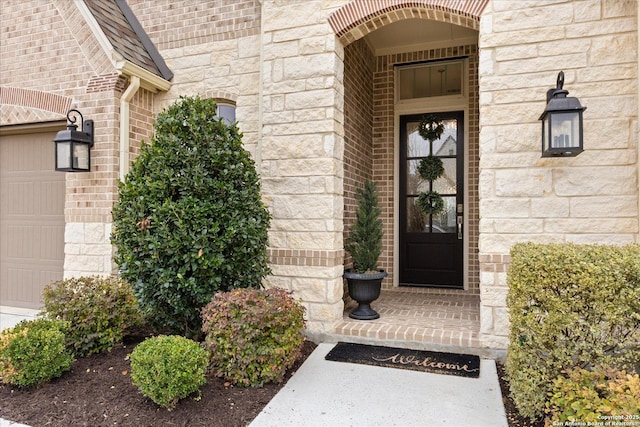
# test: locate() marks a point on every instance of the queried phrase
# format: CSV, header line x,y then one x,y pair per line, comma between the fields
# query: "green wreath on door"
x,y
430,167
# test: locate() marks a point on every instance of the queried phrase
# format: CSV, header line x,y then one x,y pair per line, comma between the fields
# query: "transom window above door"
x,y
441,78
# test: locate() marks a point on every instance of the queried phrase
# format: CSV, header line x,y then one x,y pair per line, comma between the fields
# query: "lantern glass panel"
x,y
564,130
63,155
81,156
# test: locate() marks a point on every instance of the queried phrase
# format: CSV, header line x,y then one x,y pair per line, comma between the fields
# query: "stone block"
x,y
486,319
303,206
312,240
591,225
605,26
74,232
588,10
613,49
505,208
540,15
501,321
544,63
309,290
601,239
604,207
550,207
522,182
310,99
519,226
595,181
305,167
326,313
493,296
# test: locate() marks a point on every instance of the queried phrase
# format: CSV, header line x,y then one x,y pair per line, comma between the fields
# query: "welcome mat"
x,y
462,365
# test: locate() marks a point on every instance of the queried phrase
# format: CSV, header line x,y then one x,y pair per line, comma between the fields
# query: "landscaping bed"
x,y
98,391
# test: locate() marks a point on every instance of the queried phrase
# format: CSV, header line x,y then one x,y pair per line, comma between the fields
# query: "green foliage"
x,y
364,243
253,336
99,311
594,396
34,352
168,368
569,306
190,221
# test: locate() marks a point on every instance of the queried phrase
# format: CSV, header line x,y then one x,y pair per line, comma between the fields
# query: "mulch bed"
x,y
98,392
513,416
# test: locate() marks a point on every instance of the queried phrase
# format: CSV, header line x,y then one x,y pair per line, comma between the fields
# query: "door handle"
x,y
460,221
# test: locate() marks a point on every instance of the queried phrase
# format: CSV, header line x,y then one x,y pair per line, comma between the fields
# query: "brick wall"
x,y
358,127
384,137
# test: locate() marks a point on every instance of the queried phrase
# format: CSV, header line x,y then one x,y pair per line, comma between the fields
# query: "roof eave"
x,y
148,80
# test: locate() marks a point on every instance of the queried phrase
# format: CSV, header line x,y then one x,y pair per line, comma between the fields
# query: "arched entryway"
x,y
387,45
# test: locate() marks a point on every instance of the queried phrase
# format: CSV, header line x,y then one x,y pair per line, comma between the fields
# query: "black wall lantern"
x,y
73,147
561,123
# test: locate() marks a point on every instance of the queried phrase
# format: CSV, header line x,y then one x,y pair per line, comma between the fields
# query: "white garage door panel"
x,y
31,218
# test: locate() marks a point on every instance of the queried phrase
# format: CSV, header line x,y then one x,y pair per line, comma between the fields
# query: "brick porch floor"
x,y
417,317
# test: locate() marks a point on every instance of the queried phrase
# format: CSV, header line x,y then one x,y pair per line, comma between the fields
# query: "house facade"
x,y
329,93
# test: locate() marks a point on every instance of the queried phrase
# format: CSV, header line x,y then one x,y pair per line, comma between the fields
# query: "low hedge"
x,y
570,306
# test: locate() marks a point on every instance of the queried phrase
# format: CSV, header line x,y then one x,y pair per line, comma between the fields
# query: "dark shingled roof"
x,y
127,36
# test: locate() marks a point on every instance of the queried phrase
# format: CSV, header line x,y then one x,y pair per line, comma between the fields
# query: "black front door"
x,y
431,245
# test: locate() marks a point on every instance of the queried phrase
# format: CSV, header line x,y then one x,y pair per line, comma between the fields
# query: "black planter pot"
x,y
364,289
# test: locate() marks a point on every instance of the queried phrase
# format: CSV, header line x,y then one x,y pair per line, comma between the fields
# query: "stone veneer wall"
x,y
592,198
384,137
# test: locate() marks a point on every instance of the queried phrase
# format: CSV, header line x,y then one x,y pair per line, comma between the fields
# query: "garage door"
x,y
31,218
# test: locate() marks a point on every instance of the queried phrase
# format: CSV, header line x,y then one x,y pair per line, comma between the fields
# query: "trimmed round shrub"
x,y
253,336
34,352
168,368
190,220
99,311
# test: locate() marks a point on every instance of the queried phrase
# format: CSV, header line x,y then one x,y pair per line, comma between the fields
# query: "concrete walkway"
x,y
336,394
11,316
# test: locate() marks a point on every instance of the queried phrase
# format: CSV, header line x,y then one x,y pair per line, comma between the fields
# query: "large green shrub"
x,y
99,311
34,352
253,336
569,306
168,368
594,396
190,221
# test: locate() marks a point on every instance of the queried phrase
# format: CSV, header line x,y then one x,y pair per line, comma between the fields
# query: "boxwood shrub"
x,y
570,306
34,352
168,368
99,311
190,220
253,335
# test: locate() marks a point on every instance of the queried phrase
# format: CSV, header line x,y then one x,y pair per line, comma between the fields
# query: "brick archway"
x,y
28,106
361,17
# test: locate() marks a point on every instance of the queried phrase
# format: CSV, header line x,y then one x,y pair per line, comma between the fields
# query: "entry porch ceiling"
x,y
417,34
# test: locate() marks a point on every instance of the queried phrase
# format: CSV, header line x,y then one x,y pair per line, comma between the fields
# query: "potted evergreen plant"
x,y
364,244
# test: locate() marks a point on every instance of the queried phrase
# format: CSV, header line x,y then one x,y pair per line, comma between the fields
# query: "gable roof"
x,y
127,37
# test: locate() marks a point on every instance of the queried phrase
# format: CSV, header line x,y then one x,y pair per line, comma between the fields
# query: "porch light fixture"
x,y
73,147
561,123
